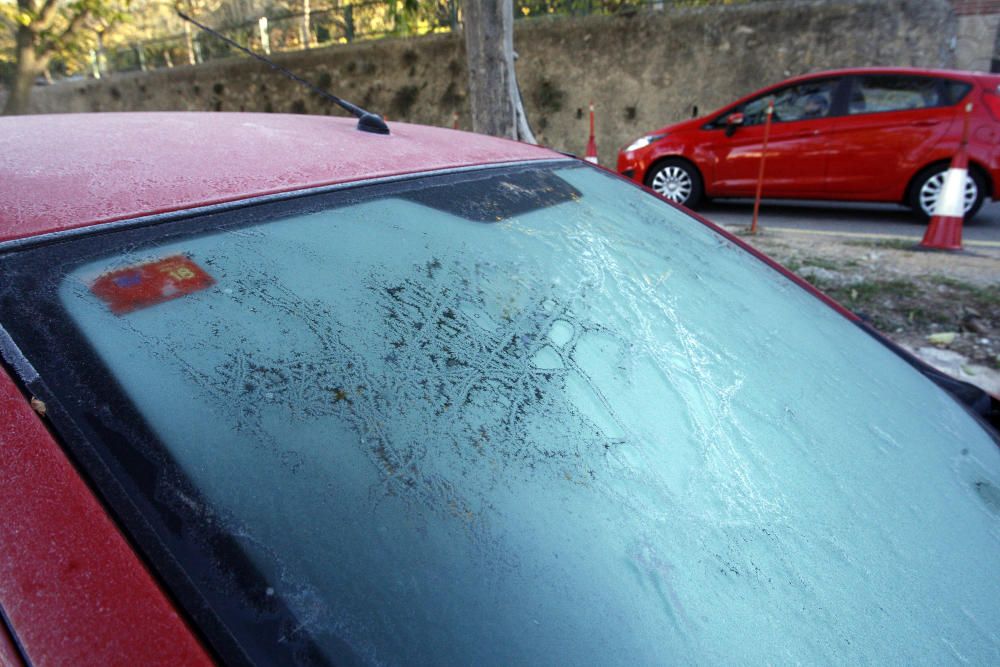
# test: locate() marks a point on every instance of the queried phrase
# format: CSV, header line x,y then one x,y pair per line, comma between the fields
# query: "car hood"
x,y
691,124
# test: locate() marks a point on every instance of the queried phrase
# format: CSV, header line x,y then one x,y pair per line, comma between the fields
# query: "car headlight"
x,y
642,142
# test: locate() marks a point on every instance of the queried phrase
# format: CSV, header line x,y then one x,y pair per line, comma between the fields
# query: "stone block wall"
x,y
642,71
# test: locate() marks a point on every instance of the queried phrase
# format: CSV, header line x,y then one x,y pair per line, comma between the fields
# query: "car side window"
x,y
803,101
877,93
955,91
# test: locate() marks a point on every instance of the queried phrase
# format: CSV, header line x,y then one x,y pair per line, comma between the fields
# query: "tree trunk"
x,y
524,132
493,94
27,70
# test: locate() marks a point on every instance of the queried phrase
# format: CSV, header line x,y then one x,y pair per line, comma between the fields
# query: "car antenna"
x,y
367,121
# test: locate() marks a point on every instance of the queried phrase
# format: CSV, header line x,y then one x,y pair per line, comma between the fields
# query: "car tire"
x,y
678,180
927,185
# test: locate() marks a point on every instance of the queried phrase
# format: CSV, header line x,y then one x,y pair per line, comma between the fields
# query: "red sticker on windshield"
x,y
145,285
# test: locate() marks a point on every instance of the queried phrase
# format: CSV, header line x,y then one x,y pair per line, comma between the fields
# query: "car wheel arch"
x,y
912,194
656,162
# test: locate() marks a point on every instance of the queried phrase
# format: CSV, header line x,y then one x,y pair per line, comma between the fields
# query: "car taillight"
x,y
991,99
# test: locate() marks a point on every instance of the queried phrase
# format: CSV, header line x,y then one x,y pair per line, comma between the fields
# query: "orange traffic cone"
x,y
591,154
945,229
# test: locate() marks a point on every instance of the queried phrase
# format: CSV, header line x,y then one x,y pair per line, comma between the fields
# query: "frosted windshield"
x,y
591,433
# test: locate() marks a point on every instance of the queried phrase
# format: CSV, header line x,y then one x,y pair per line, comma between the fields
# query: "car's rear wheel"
x,y
678,180
929,184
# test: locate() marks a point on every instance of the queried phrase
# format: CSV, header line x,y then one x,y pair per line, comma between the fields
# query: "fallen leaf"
x,y
943,339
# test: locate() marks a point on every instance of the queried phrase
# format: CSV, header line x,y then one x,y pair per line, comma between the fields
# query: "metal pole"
x,y
760,174
965,125
93,64
306,27
102,59
265,38
190,44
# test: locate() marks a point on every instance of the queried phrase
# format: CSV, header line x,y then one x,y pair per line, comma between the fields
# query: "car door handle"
x,y
803,135
925,123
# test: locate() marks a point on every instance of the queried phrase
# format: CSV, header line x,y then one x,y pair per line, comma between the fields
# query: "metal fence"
x,y
343,24
275,33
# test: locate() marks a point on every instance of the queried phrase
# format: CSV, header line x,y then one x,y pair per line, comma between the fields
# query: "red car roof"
x,y
63,171
847,71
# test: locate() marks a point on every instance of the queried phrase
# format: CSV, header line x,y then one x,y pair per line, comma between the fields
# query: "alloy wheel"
x,y
930,192
674,183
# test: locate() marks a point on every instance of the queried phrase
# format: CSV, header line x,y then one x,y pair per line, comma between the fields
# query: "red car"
x,y
278,391
870,134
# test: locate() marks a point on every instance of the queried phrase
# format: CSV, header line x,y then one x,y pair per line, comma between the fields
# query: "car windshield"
x,y
517,415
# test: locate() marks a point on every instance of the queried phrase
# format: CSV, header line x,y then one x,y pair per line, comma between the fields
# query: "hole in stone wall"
x,y
451,98
548,97
403,100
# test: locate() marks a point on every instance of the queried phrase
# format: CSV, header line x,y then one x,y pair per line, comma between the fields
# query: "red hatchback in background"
x,y
871,134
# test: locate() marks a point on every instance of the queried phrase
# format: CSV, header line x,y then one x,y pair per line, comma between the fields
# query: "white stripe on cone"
x,y
951,203
591,159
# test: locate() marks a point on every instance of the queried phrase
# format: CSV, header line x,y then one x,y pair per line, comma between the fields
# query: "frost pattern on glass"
x,y
478,384
594,433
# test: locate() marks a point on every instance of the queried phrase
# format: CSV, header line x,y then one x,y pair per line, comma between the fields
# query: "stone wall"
x,y
642,71
978,39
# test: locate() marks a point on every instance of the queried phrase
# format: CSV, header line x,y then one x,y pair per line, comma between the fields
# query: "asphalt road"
x,y
852,218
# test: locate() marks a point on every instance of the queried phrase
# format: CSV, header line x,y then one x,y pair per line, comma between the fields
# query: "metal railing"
x,y
347,23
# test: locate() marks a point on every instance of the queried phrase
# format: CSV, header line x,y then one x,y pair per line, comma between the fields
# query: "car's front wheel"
x,y
678,180
929,184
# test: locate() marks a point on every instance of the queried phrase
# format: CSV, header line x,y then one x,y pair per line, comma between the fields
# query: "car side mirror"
x,y
733,122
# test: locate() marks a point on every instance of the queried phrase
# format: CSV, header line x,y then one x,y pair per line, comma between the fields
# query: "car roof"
x,y
65,171
944,73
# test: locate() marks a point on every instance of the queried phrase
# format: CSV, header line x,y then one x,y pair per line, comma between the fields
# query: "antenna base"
x,y
369,122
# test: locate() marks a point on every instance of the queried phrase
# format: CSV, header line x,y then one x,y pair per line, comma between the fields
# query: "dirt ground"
x,y
946,306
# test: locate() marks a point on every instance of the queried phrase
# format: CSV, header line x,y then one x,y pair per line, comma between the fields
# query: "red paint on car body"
x,y
9,655
72,170
70,584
